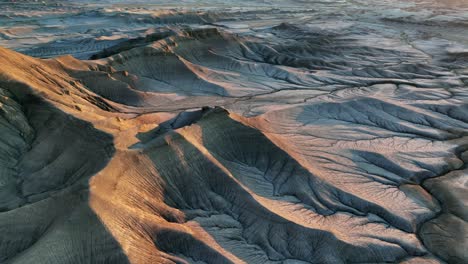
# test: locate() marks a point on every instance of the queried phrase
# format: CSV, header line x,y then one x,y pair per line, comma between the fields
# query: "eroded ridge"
x,y
232,136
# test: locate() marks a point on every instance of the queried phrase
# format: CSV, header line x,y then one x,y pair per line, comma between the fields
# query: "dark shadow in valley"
x,y
207,184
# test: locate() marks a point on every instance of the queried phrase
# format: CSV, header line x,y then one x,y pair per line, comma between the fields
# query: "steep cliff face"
x,y
270,142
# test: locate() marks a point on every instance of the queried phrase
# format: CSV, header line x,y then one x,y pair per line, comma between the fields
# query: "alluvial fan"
x,y
234,132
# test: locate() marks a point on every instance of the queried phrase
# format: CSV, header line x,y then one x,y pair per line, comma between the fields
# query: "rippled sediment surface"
x,y
233,132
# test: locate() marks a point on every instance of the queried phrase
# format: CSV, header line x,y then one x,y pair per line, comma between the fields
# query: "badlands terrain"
x,y
266,131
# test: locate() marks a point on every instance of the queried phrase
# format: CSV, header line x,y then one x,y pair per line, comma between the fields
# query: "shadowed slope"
x,y
47,158
51,220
